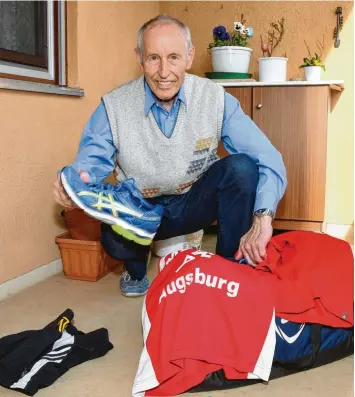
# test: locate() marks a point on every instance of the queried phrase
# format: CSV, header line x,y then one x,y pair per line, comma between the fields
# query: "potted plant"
x,y
271,68
313,65
228,50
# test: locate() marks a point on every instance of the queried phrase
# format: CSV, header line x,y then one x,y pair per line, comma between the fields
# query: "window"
x,y
32,41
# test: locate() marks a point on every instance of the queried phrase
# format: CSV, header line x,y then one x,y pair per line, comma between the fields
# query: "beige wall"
x,y
303,21
40,133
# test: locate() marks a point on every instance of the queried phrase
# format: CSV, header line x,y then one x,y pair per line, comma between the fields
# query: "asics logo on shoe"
x,y
109,202
123,207
287,338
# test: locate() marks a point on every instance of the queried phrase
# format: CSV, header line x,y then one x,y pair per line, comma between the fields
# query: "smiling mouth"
x,y
165,84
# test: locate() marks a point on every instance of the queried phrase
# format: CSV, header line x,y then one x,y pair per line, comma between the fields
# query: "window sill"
x,y
19,85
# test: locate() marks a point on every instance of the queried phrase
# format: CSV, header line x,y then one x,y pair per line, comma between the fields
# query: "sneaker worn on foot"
x,y
131,287
122,206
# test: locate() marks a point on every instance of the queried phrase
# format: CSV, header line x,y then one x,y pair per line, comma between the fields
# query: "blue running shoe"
x,y
133,288
121,206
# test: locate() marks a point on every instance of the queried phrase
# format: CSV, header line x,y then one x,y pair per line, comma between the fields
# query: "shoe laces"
x,y
128,279
126,276
105,187
128,184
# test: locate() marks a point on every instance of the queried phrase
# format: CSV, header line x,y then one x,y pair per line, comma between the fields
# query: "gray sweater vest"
x,y
162,165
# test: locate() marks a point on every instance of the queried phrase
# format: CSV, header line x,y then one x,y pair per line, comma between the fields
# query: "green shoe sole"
x,y
131,236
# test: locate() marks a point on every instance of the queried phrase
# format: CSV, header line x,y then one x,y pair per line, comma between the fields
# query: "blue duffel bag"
x,y
303,346
298,347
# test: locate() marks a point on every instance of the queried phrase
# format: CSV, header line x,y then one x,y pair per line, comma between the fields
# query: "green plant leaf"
x,y
236,39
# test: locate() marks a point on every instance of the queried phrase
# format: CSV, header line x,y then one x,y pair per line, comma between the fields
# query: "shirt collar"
x,y
150,98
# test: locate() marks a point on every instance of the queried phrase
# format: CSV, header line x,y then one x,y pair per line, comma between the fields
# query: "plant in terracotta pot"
x,y
273,68
313,65
229,50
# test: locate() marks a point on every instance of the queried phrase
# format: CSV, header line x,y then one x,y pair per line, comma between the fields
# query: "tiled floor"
x,y
100,305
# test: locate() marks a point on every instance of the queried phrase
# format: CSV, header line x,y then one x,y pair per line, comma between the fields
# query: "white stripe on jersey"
x,y
145,378
66,340
263,365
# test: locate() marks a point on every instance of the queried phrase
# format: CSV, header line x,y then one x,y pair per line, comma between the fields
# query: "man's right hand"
x,y
59,194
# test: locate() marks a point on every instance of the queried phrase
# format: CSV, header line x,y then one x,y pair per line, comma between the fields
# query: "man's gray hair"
x,y
162,20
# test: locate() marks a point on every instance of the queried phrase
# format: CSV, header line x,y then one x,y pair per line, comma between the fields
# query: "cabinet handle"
x,y
259,105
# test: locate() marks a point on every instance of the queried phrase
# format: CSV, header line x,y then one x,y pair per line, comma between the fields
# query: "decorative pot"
x,y
312,73
231,59
272,69
85,260
81,226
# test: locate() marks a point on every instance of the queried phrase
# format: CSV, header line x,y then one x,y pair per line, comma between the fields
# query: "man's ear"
x,y
138,57
190,57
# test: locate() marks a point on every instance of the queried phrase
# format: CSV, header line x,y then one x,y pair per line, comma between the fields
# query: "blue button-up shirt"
x,y
240,134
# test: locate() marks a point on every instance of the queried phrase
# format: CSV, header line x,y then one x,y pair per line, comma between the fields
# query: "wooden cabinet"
x,y
244,96
294,118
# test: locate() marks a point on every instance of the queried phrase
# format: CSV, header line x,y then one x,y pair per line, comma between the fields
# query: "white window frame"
x,y
48,73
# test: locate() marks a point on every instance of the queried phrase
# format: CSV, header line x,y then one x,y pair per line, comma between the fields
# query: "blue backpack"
x,y
298,347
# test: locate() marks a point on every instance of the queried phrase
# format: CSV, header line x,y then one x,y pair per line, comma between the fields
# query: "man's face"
x,y
165,59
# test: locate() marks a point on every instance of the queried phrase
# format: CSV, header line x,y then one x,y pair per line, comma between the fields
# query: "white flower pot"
x,y
272,69
231,59
312,73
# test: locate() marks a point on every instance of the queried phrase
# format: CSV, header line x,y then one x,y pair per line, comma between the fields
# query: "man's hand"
x,y
59,194
252,245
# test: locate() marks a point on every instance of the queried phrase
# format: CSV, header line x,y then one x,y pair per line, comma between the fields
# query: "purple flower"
x,y
220,32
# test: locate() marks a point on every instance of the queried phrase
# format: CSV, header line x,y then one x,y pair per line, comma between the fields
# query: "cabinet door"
x,y
243,94
295,121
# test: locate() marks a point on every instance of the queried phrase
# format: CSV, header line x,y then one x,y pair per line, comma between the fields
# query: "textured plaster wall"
x,y
40,133
303,21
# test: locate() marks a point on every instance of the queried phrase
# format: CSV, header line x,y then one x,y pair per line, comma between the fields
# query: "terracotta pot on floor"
x,y
81,226
83,256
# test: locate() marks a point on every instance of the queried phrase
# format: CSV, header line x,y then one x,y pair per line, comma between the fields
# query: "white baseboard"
x,y
29,279
344,232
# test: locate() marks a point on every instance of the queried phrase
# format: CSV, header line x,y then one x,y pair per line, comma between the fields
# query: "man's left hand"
x,y
253,244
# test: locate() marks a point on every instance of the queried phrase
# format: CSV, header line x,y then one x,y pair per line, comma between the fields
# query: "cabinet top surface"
x,y
236,83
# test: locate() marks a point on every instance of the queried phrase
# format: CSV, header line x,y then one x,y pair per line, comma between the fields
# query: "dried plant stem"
x,y
320,47
275,39
309,52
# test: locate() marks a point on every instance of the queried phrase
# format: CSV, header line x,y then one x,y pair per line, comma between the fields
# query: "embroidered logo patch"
x,y
203,143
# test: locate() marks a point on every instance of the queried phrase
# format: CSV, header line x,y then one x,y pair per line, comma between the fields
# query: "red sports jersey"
x,y
203,313
316,278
